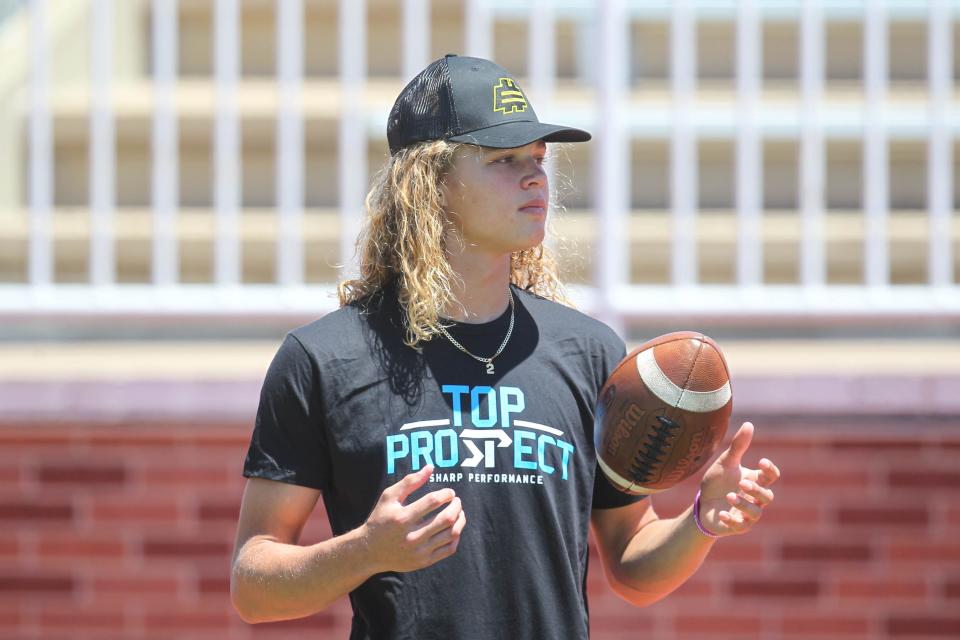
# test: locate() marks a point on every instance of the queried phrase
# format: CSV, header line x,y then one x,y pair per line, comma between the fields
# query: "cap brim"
x,y
519,133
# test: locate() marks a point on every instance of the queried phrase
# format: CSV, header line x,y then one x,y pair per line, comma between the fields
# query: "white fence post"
x,y
812,157
416,37
477,29
102,146
353,133
227,143
41,149
289,158
542,50
165,142
875,152
542,71
749,149
611,159
683,145
940,144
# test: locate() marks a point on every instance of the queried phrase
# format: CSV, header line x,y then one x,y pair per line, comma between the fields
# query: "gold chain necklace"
x,y
486,361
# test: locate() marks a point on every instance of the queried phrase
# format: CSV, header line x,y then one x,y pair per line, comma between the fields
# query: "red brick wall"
x,y
125,531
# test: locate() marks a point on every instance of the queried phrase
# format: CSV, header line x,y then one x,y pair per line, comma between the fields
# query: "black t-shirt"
x,y
348,409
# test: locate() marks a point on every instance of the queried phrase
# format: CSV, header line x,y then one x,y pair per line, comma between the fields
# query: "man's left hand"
x,y
732,497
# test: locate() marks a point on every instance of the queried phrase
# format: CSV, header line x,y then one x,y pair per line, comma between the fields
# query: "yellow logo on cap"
x,y
508,98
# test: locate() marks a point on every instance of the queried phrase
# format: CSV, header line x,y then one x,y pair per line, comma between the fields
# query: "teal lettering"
x,y
456,391
567,450
446,437
520,450
421,445
475,399
542,454
511,401
398,447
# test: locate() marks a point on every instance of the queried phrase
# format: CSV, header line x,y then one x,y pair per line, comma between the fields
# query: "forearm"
x,y
659,558
273,581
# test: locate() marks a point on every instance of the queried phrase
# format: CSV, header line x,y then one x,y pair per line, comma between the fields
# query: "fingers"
x,y
460,524
445,551
409,483
769,473
732,520
451,533
443,520
741,442
751,493
743,509
447,541
746,506
759,495
417,511
410,537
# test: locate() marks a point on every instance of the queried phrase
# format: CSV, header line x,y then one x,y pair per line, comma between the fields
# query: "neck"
x,y
483,292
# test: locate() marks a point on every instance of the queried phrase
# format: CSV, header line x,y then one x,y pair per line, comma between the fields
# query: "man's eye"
x,y
505,159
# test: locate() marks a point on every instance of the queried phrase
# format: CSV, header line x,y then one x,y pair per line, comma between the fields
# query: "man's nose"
x,y
535,176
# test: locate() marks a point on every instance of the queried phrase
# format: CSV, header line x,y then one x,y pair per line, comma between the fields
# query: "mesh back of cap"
x,y
424,110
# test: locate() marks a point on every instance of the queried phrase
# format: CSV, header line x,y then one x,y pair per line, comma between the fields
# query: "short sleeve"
x,y
605,495
288,442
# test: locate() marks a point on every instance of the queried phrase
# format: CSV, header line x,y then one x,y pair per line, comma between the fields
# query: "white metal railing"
x,y
682,122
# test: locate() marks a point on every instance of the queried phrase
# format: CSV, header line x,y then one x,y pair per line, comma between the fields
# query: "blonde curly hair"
x,y
403,244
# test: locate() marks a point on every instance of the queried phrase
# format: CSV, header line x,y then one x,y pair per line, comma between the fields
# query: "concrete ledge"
x,y
811,395
137,401
236,400
206,380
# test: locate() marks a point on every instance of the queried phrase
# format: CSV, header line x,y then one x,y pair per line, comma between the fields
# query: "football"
x,y
663,412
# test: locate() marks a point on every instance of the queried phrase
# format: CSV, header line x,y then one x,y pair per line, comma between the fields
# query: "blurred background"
x,y
181,184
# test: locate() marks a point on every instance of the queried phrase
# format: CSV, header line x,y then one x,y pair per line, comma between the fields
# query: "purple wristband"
x,y
696,518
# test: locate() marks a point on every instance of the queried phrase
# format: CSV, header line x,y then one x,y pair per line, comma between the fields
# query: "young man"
x,y
445,411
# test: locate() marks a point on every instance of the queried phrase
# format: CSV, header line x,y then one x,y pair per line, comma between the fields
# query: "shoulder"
x,y
327,330
354,331
558,320
574,339
351,321
304,348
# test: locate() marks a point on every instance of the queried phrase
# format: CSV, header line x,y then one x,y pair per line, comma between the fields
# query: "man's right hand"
x,y
404,537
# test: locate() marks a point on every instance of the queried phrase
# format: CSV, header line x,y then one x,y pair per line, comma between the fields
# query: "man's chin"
x,y
530,242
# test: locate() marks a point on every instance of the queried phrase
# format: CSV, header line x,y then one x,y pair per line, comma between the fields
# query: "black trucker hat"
x,y
469,100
